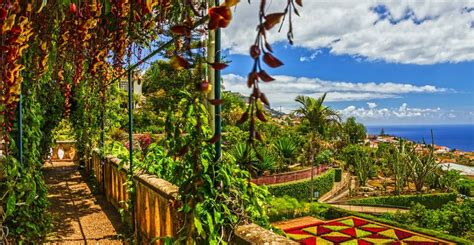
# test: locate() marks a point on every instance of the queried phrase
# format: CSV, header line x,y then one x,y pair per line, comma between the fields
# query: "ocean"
x,y
459,137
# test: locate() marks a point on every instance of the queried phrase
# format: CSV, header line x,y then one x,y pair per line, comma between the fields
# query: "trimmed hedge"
x,y
300,189
431,201
338,175
287,208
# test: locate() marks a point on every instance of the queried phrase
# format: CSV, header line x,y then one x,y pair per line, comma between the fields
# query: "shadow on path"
x,y
79,216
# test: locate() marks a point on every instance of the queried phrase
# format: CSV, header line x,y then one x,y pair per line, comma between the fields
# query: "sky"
x,y
384,62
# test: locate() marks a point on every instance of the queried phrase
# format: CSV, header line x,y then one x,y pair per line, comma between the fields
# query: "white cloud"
x,y
371,105
416,32
405,114
284,89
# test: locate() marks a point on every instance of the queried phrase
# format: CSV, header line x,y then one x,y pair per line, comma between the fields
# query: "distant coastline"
x,y
459,137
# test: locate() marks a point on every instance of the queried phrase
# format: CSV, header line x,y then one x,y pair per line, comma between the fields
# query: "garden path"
x,y
369,209
79,216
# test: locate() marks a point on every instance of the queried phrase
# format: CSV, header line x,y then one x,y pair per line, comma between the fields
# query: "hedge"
x,y
431,201
286,208
301,189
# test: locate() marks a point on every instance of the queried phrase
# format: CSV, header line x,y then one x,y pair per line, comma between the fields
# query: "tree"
x,y
317,115
382,132
360,160
356,132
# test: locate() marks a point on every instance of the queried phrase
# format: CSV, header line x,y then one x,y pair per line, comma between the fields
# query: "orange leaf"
x,y
271,60
254,51
272,19
180,30
299,2
253,76
243,118
178,62
231,3
261,116
265,77
218,66
264,99
215,138
216,101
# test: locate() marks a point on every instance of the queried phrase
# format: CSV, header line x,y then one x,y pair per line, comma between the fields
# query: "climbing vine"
x,y
63,56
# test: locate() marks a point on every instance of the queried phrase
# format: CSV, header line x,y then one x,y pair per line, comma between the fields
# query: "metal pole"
x,y
20,128
217,90
130,140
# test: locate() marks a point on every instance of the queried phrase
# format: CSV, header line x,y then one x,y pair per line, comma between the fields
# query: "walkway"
x,y
79,217
369,209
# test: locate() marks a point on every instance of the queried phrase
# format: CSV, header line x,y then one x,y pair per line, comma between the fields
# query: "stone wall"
x,y
289,176
155,211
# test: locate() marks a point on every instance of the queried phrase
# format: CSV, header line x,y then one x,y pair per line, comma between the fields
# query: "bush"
x,y
338,175
300,189
466,187
431,201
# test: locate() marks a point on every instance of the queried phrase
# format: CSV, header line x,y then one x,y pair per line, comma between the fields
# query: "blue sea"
x,y
453,136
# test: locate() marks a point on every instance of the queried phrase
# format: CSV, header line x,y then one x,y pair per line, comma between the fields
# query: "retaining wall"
x,y
155,213
289,176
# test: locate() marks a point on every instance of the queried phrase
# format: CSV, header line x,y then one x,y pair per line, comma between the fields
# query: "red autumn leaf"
x,y
180,30
299,2
179,62
258,136
253,76
243,118
261,116
3,14
218,66
272,19
254,51
271,60
215,138
264,99
219,16
216,101
264,76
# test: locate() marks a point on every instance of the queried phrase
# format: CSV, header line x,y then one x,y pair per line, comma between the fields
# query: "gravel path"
x,y
79,217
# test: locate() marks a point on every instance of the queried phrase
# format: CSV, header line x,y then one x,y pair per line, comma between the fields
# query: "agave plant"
x,y
286,150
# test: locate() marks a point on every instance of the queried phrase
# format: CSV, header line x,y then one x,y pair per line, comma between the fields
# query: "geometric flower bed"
x,y
357,231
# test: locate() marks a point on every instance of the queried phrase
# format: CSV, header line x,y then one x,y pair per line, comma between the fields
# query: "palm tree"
x,y
316,114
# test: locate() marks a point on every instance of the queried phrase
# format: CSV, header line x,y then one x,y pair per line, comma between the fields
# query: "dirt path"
x,y
303,221
79,217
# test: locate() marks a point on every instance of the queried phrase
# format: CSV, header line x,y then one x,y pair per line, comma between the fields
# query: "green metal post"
x,y
130,140
217,90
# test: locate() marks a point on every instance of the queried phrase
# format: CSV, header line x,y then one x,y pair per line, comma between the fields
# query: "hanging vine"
x,y
74,49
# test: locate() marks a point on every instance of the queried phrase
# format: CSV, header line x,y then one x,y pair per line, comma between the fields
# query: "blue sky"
x,y
381,61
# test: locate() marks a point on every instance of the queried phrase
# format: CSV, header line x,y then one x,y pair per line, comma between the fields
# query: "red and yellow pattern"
x,y
357,231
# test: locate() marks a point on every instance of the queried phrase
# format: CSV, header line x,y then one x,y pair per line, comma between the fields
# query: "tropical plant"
x,y
422,164
316,114
286,150
360,159
355,132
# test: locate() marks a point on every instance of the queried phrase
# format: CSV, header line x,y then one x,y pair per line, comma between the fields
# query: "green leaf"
x,y
107,7
198,225
11,202
210,223
42,6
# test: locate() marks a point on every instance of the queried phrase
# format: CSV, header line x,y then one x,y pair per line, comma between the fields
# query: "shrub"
x,y
431,201
337,175
300,189
466,187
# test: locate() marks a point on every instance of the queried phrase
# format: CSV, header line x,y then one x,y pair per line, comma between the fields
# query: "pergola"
x,y
67,41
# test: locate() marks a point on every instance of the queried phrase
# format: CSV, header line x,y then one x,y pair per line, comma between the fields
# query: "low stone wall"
x,y
68,150
155,213
289,176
